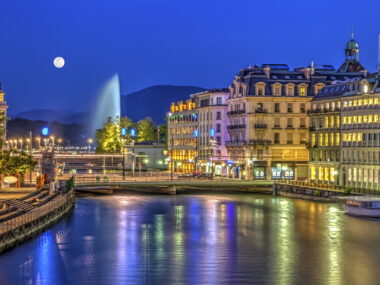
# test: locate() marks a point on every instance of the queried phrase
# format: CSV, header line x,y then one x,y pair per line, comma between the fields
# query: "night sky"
x,y
185,42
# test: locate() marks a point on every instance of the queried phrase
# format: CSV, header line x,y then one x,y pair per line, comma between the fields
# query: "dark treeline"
x,y
71,134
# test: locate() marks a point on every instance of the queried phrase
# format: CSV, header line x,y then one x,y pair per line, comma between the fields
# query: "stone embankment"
x,y
21,219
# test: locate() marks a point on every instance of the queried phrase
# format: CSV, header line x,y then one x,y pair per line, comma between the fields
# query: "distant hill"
x,y
62,116
151,102
154,101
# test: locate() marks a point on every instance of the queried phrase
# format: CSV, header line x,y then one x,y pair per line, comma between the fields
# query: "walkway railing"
x,y
35,213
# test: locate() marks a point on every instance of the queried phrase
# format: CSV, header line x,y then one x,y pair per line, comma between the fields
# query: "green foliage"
x,y
318,193
12,163
163,133
108,139
146,130
347,191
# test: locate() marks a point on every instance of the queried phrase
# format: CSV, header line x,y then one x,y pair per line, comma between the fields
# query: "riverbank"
x,y
27,222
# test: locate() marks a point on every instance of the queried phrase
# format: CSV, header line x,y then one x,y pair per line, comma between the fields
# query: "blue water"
x,y
199,239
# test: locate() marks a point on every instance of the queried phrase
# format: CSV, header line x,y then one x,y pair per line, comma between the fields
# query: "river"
x,y
199,239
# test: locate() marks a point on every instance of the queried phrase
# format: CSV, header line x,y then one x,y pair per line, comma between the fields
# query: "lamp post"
x,y
38,139
21,142
89,141
59,141
52,142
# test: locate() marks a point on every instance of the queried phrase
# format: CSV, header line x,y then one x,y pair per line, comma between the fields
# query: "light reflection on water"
x,y
199,239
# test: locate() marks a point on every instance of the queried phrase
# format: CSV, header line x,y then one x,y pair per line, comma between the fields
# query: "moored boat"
x,y
363,206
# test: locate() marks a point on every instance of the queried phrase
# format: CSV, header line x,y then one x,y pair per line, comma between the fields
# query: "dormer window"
x,y
276,89
260,89
302,89
318,87
290,89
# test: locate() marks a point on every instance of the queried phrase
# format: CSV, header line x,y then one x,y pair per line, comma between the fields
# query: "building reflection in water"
x,y
200,239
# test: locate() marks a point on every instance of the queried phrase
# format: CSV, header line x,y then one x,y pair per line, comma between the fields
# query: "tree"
x,y
163,133
108,139
146,130
14,163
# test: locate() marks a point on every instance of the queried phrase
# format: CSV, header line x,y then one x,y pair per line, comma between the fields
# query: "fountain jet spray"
x,y
108,103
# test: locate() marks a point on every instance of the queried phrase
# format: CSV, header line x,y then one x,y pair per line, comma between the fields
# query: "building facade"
x,y
212,131
360,152
325,145
182,123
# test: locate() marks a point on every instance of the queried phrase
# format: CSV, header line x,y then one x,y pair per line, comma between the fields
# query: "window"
x,y
276,89
218,140
277,107
218,128
289,138
302,90
290,89
302,108
302,123
277,138
218,115
290,108
277,123
290,123
318,87
260,89
218,100
302,138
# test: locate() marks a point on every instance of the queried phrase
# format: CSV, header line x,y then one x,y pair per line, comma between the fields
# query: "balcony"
x,y
290,127
261,126
236,127
235,143
277,127
260,142
260,111
236,112
311,129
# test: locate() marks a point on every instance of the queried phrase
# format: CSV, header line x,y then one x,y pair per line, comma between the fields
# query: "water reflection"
x,y
203,239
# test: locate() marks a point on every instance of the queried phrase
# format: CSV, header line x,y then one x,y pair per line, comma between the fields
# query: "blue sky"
x,y
198,42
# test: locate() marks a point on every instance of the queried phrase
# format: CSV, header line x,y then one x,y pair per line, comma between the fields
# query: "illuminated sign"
x,y
45,131
133,132
123,132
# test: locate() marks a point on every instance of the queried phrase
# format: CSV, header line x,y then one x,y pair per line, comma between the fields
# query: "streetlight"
x,y
15,144
59,142
52,139
89,141
20,141
38,139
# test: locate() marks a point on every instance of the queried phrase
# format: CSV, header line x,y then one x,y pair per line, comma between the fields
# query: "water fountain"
x,y
107,103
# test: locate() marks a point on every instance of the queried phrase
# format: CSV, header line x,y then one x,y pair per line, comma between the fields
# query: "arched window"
x,y
276,89
260,89
289,89
302,89
318,87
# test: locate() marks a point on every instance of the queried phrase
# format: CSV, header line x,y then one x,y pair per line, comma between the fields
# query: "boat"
x,y
363,206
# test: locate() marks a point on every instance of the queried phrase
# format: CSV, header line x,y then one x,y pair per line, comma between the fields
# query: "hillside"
x,y
154,101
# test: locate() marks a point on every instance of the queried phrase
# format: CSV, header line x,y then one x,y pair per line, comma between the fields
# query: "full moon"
x,y
59,62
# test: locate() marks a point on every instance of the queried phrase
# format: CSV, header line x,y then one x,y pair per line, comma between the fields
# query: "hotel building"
x,y
182,136
212,131
326,137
